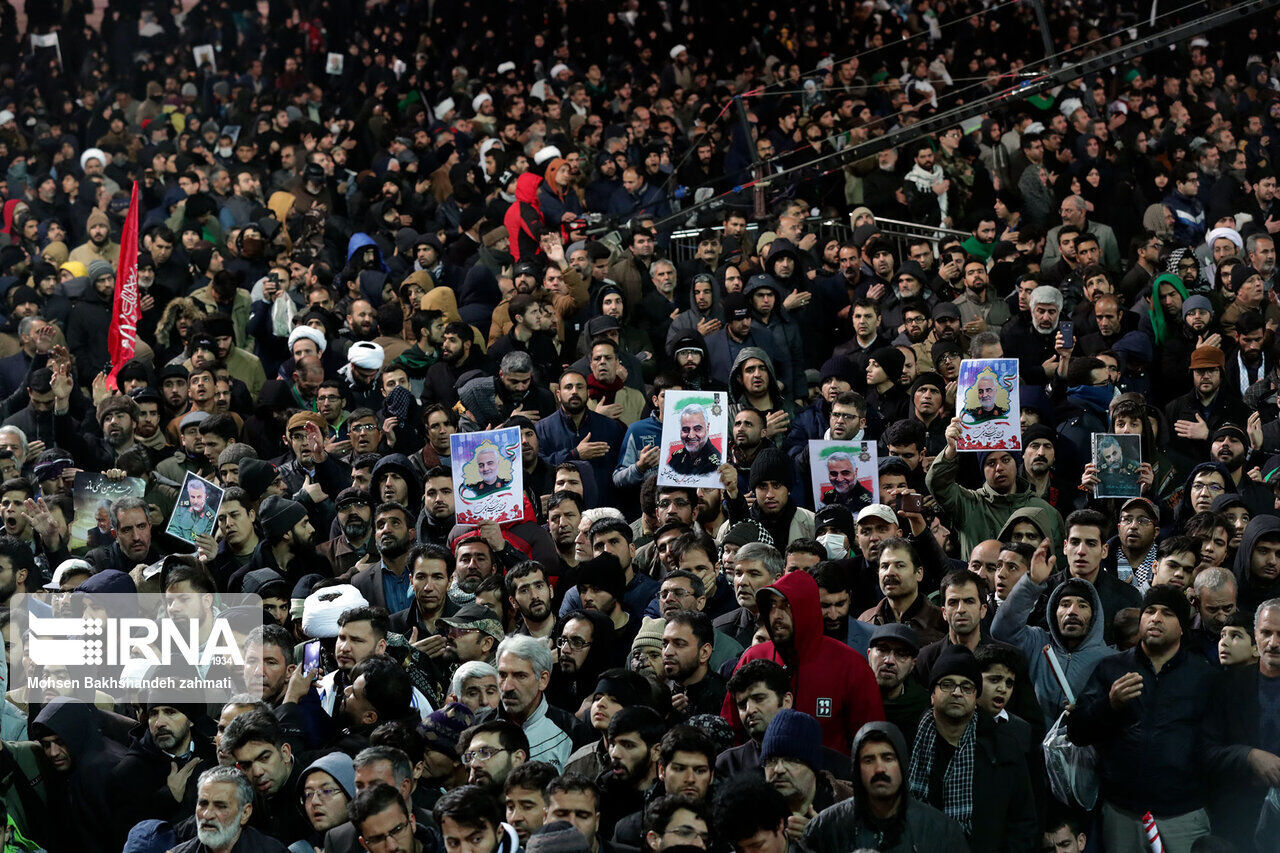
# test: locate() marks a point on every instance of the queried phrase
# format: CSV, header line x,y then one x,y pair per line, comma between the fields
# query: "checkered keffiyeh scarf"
x,y
957,781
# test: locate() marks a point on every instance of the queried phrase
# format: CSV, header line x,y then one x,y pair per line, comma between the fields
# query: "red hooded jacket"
x,y
829,680
524,218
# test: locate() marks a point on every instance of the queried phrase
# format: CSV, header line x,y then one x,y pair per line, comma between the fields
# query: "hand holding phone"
x,y
1068,331
311,657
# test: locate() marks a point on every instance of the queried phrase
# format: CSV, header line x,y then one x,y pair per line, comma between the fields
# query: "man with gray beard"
x,y
224,804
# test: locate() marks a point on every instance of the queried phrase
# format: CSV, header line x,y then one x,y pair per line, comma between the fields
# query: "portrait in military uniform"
x,y
694,425
196,511
845,473
1118,459
486,473
987,404
489,484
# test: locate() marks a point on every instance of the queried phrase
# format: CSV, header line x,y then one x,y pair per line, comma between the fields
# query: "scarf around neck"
x,y
958,779
605,393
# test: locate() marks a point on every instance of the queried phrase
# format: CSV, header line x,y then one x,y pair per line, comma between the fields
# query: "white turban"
x,y
322,608
1230,233
91,153
366,355
478,101
310,334
444,108
545,155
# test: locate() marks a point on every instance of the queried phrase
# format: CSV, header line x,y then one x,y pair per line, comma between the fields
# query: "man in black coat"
x,y
1242,748
1208,405
157,778
1143,709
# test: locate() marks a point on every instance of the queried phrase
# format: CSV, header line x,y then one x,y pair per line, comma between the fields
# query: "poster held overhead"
x,y
1119,462
488,479
196,511
844,472
695,428
987,404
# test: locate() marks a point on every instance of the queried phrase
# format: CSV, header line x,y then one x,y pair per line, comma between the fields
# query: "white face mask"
x,y
224,152
836,545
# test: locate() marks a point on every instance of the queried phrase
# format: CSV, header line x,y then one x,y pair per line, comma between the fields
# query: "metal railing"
x,y
684,243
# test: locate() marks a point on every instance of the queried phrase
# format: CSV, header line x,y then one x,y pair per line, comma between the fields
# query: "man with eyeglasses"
x,y
324,791
490,751
966,766
1208,405
1146,267
382,821
1131,553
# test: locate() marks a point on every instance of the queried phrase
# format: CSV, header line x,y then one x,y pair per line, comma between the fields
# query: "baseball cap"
x,y
879,511
895,632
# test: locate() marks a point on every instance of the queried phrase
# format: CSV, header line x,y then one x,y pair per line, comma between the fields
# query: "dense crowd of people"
x,y
364,228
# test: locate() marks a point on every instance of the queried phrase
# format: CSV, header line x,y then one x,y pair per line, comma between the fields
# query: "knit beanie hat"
x,y
277,516
650,634
891,359
1172,598
441,728
770,464
956,660
1076,587
1036,432
838,367
604,572
559,836
1195,301
96,217
745,532
794,734
99,268
928,377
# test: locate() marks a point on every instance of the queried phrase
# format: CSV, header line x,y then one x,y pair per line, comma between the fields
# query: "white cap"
x,y
90,154
366,355
1069,105
879,511
478,101
545,154
1034,127
506,66
69,566
557,68
322,609
444,108
310,334
676,51
5,117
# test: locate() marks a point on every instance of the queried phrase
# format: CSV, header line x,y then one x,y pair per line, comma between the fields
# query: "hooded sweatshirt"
x,y
829,680
917,826
85,791
1011,626
979,513
1252,592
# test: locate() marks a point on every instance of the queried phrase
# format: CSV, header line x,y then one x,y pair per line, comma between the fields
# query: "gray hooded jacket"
x,y
844,826
1011,626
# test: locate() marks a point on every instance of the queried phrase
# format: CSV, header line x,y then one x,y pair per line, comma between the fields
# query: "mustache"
x,y
880,777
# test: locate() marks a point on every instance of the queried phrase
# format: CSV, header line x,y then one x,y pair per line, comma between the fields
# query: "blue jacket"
x,y
558,442
1188,218
650,200
641,433
1011,626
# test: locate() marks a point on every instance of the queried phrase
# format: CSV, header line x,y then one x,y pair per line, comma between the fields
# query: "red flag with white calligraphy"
x,y
123,335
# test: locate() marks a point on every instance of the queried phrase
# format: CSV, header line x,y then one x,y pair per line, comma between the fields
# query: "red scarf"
x,y
597,390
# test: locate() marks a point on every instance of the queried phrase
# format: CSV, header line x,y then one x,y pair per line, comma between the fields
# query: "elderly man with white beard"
x,y
1034,339
224,805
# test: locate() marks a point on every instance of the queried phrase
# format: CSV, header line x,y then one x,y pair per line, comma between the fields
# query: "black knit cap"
x,y
956,660
770,464
1172,598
